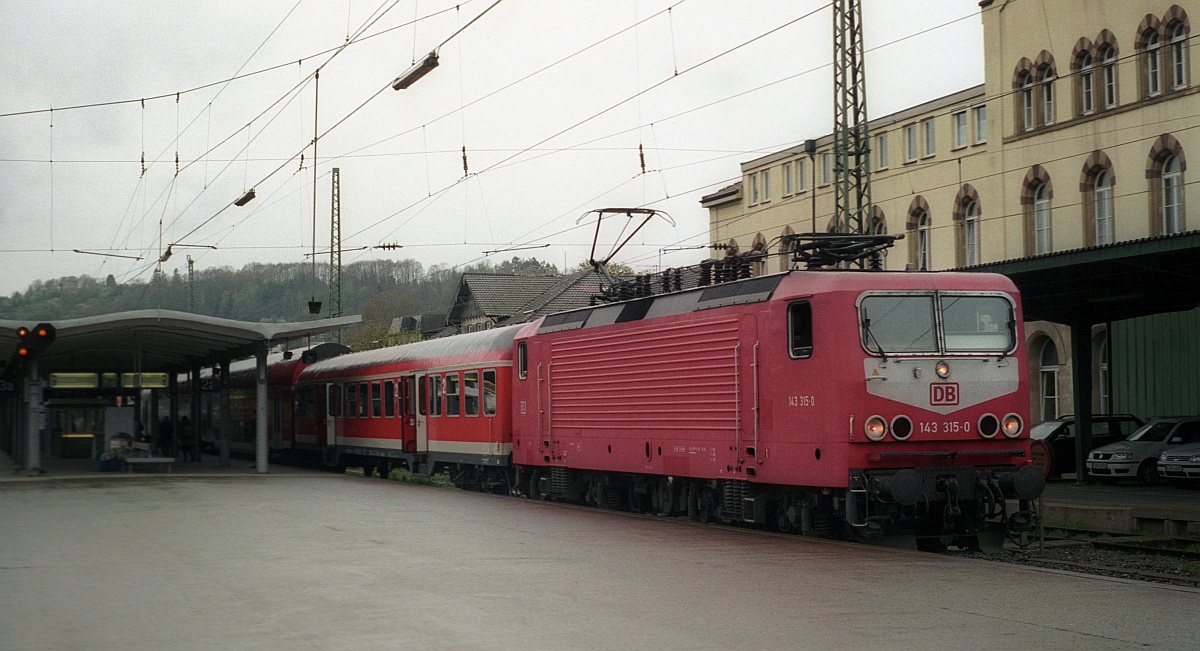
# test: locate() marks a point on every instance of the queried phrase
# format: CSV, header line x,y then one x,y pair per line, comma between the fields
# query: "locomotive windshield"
x,y
937,323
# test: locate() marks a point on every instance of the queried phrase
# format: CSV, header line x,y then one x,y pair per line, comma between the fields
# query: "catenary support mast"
x,y
851,138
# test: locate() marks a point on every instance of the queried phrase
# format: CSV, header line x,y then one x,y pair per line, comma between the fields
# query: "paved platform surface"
x,y
304,561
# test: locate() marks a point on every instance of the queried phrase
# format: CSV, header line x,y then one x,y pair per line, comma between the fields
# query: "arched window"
x,y
1108,65
1048,373
923,241
1027,101
1153,64
1087,99
1103,198
1172,195
1041,218
970,232
1046,86
1179,55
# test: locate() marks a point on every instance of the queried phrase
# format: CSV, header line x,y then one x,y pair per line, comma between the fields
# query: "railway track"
x,y
1156,559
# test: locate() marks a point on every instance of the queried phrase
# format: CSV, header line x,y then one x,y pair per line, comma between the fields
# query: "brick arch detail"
x,y
1106,37
1150,23
1163,146
1081,46
1024,66
1175,14
1096,162
919,205
878,217
784,248
1044,58
1037,175
966,195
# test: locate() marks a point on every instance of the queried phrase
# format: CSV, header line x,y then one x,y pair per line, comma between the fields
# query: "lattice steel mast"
x,y
335,251
851,138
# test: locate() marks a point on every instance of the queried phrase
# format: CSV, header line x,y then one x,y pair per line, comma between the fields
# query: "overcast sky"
x,y
551,99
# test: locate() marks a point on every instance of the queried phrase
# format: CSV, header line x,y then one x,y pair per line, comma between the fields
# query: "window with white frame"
x,y
1087,101
802,175
971,234
1104,208
1172,196
924,237
929,134
753,194
1041,219
1179,56
980,114
789,180
766,186
1027,101
1047,86
1153,64
826,168
1049,380
910,143
1108,64
881,151
958,123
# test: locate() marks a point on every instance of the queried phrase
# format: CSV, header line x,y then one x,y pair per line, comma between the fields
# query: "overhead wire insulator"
x,y
642,157
465,170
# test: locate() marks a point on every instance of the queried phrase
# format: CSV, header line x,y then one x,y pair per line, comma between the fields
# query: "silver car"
x,y
1180,462
1137,456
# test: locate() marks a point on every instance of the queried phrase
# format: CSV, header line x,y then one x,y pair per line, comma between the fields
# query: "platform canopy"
x,y
150,341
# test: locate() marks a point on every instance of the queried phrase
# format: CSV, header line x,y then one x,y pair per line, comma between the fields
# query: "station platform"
x,y
1165,509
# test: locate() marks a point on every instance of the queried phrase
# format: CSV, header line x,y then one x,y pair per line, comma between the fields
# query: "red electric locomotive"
x,y
864,404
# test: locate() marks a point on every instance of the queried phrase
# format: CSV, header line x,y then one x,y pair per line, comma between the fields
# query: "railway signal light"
x,y
34,340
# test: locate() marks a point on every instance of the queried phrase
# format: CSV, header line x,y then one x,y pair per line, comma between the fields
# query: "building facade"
x,y
1077,139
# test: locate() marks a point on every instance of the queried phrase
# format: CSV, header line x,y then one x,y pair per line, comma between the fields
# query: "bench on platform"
x,y
130,462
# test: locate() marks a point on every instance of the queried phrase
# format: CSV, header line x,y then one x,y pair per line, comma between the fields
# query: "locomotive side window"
x,y
376,400
452,399
389,398
522,361
800,338
435,395
899,324
978,323
471,393
489,393
364,404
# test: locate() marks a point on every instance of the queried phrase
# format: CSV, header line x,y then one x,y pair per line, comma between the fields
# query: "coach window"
x,y
800,330
489,393
435,395
389,398
376,400
452,399
364,400
522,361
471,393
351,401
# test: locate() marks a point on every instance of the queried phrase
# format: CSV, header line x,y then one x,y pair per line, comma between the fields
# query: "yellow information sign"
x,y
144,380
74,380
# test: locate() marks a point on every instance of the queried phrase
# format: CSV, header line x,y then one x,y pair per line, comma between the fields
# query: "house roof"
x,y
516,298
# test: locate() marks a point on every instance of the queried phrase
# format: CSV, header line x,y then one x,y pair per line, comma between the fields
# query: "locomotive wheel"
x,y
385,470
368,471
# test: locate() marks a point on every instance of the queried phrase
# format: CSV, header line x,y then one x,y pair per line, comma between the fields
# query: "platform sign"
x,y
74,380
144,380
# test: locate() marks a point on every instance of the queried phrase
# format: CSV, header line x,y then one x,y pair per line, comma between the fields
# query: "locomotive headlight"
x,y
943,370
989,427
875,428
1011,426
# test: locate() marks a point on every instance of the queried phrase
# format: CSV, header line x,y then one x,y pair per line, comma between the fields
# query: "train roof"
x,y
444,350
763,288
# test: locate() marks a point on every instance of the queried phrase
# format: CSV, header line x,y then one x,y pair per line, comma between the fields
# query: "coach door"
x,y
422,414
334,392
408,411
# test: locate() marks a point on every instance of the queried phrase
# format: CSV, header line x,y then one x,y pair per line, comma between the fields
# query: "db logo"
x,y
945,393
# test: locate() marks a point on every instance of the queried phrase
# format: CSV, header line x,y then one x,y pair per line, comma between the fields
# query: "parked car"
x,y
1137,457
1181,462
1053,448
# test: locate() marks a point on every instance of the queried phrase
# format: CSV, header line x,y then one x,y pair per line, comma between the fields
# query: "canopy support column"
x,y
261,447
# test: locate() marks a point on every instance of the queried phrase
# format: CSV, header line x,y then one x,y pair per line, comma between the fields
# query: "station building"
x,y
1073,150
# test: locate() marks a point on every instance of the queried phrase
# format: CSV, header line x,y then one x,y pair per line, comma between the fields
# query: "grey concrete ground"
x,y
317,561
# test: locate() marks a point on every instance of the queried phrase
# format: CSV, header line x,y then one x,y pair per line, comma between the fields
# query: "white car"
x,y
1181,462
1137,456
